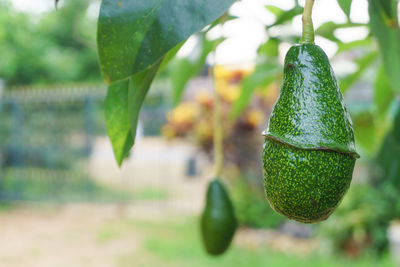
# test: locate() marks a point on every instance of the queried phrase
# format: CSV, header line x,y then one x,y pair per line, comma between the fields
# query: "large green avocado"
x,y
218,221
309,152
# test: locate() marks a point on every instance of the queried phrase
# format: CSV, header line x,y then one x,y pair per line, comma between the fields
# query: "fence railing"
x,y
46,137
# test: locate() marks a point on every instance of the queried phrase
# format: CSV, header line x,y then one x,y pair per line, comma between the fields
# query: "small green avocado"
x,y
218,221
309,152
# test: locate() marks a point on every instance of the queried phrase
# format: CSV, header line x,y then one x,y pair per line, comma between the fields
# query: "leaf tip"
x,y
119,163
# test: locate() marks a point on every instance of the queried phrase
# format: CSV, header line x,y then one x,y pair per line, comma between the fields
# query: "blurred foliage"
x,y
358,224
266,72
385,27
249,201
370,88
371,121
59,47
192,119
54,47
27,183
43,184
249,249
361,221
44,145
183,69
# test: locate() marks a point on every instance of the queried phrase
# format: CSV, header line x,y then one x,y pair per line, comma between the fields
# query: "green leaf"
x,y
221,20
363,63
270,48
181,73
117,119
283,16
352,45
390,10
383,93
389,154
365,132
263,75
388,158
122,105
185,68
385,27
345,5
139,85
132,35
170,55
276,11
328,29
396,126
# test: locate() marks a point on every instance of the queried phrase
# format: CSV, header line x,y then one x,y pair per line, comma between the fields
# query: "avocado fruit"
x,y
218,220
309,151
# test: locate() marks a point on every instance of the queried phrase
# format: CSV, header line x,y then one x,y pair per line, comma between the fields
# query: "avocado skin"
x,y
309,151
218,221
305,185
309,112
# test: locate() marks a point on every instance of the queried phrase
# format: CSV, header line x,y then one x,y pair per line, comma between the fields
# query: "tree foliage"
x,y
51,48
133,37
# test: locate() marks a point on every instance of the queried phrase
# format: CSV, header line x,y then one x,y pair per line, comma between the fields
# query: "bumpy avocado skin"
x,y
310,112
218,221
309,151
305,185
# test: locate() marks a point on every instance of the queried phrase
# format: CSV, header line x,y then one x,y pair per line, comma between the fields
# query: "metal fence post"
x,y
88,106
15,148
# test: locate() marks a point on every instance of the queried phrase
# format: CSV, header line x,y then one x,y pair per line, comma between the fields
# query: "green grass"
x,y
28,183
179,244
150,193
108,234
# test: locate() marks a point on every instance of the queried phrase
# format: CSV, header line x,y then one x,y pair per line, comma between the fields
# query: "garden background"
x,y
65,202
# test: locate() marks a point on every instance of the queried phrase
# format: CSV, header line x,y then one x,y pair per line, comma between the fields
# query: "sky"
x,y
247,32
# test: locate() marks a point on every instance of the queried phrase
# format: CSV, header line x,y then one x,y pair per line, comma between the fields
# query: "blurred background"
x,y
64,201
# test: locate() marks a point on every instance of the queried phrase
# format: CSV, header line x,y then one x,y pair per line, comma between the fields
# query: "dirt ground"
x,y
83,235
75,234
49,235
61,236
102,235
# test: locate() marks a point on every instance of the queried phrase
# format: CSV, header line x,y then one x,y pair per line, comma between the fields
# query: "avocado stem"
x,y
218,132
308,28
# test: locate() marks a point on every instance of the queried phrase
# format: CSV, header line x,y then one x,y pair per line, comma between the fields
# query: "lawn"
x,y
178,243
135,235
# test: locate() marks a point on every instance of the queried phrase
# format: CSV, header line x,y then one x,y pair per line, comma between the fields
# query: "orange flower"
x,y
204,130
204,98
184,113
168,131
255,117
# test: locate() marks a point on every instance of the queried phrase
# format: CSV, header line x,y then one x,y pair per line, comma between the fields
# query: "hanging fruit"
x,y
218,221
309,152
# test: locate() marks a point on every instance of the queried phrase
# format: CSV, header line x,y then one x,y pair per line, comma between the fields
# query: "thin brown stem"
x,y
218,133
